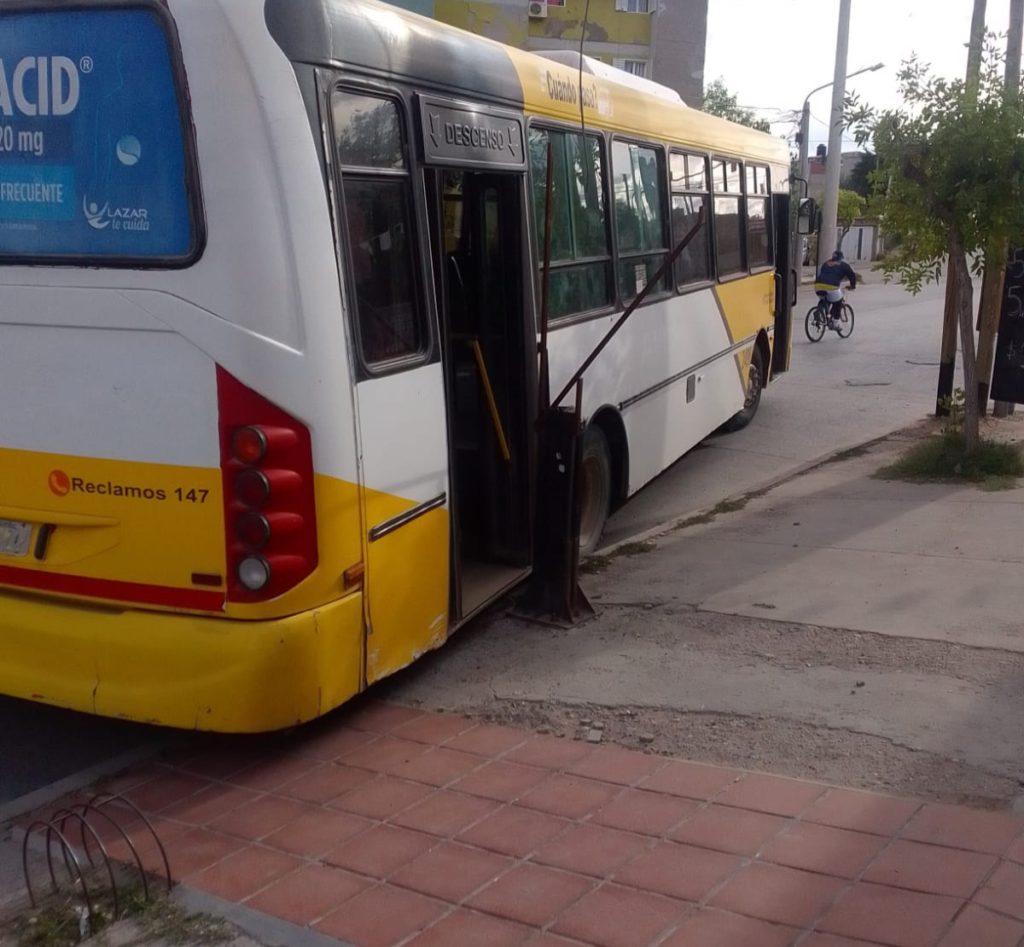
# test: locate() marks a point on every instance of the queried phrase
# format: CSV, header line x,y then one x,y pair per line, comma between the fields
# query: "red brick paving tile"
x,y
613,764
648,813
514,831
381,798
384,755
861,811
380,717
446,813
960,827
316,832
818,939
710,928
930,868
324,782
381,917
591,850
198,849
693,780
131,778
890,915
1016,851
568,796
728,830
466,927
451,871
823,848
678,871
501,780
241,875
976,927
433,728
261,817
273,772
165,789
549,752
140,837
218,763
488,740
209,804
550,940
782,895
613,916
438,767
379,851
1004,891
532,894
337,741
772,794
308,894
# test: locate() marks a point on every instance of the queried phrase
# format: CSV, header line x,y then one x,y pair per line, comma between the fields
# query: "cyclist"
x,y
829,283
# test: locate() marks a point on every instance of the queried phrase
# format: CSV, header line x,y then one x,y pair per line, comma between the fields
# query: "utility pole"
x,y
995,273
947,353
833,160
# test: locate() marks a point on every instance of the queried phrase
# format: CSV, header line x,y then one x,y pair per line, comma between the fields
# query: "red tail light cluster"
x,y
269,509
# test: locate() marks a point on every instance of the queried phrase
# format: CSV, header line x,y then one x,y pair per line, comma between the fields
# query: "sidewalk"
x,y
383,826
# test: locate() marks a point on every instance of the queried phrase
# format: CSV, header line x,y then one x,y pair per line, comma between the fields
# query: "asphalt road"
x,y
838,393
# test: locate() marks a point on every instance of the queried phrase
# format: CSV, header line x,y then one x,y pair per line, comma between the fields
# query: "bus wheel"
x,y
595,488
755,385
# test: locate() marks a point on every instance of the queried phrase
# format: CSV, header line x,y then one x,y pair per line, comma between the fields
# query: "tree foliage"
x,y
950,180
861,177
718,100
851,206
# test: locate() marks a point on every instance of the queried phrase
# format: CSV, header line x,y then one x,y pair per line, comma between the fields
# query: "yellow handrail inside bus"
x,y
491,404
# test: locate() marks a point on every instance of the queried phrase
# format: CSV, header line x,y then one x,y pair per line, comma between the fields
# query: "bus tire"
x,y
595,484
755,385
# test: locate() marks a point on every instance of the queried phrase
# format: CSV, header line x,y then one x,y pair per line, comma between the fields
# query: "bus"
x,y
270,301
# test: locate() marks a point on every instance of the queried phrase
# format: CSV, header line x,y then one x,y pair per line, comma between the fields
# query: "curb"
x,y
668,526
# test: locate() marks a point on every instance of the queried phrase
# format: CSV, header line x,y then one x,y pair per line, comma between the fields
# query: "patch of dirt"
x,y
784,747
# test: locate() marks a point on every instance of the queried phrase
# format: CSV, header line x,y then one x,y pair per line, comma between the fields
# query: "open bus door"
x,y
787,283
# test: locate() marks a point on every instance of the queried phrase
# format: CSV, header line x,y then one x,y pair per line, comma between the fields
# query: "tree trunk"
x,y
965,316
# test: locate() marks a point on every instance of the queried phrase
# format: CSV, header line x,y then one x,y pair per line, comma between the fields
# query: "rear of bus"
x,y
171,432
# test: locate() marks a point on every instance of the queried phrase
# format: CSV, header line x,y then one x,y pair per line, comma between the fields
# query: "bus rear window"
x,y
93,160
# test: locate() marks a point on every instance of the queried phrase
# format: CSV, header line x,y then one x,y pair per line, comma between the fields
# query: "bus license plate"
x,y
14,537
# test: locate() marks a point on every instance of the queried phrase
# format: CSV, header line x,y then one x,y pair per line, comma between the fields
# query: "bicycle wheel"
x,y
844,327
814,324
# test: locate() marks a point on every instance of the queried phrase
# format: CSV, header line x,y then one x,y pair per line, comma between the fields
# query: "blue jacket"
x,y
832,273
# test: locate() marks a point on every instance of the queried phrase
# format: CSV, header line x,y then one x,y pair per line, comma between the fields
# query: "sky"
x,y
771,53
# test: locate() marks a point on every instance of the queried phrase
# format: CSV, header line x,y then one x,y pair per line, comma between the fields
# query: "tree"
x,y
718,100
951,181
861,180
851,206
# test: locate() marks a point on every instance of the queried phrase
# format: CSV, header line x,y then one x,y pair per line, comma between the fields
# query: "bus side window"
x,y
638,186
581,258
730,243
689,195
759,231
378,200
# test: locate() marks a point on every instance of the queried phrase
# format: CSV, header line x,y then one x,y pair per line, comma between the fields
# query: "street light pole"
x,y
827,239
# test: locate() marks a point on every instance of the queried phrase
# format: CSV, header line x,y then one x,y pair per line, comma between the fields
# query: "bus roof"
x,y
382,40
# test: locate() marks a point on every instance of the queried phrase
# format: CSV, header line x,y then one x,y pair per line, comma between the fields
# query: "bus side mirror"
x,y
808,217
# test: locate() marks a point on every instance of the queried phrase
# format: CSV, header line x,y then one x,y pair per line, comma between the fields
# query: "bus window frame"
x,y
331,81
769,219
683,289
744,271
615,303
655,295
193,181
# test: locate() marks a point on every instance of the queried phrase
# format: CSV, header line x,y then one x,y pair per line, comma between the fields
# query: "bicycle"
x,y
819,318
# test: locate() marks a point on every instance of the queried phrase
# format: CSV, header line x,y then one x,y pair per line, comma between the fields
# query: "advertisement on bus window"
x,y
92,155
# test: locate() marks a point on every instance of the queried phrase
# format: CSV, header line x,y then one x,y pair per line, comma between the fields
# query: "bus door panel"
x,y
785,284
402,440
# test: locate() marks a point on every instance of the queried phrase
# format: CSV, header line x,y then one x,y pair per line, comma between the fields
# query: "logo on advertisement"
x,y
39,85
60,483
116,218
129,150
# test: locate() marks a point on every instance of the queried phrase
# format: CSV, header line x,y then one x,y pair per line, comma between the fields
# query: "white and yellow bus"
x,y
261,262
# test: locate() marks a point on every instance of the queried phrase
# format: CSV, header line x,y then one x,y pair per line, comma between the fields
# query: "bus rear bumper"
x,y
185,671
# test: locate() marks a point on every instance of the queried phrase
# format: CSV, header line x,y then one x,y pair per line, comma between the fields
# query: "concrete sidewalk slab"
x,y
444,831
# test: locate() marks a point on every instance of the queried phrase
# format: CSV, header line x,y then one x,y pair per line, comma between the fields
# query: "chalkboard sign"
x,y
1008,371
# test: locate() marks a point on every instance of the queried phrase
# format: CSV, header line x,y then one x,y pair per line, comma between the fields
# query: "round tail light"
x,y
252,487
253,529
249,445
254,573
